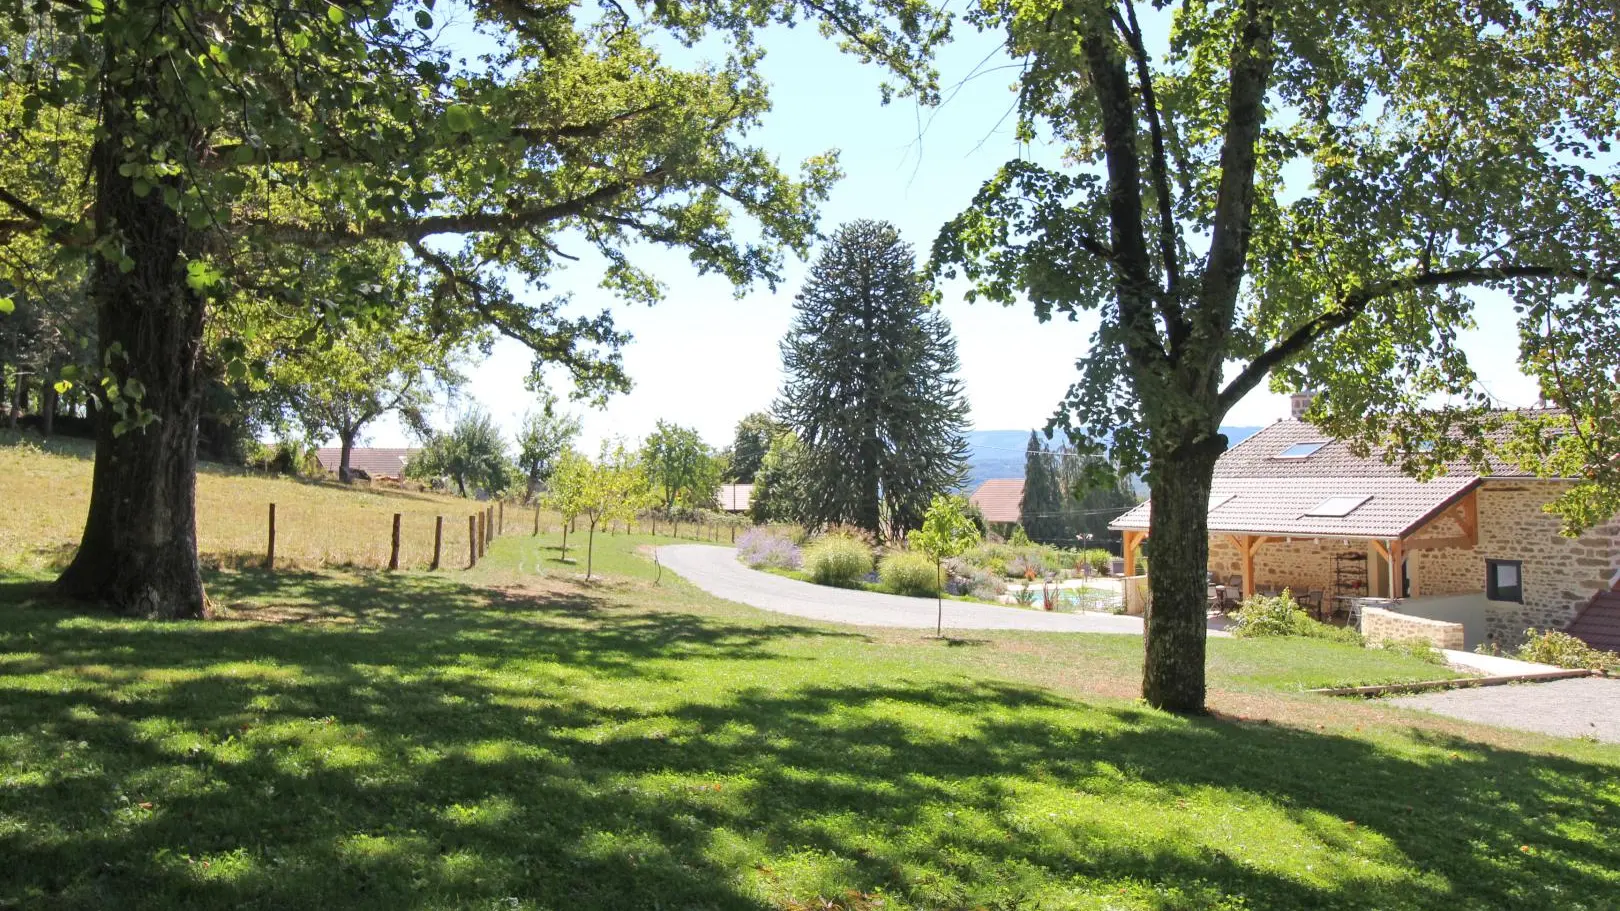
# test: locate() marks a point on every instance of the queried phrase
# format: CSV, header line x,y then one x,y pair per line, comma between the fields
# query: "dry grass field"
x,y
45,490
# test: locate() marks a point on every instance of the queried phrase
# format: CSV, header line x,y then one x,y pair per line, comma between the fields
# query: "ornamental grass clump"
x,y
764,548
837,560
908,573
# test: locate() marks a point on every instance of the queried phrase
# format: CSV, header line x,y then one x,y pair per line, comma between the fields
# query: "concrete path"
x,y
717,571
1498,666
1583,707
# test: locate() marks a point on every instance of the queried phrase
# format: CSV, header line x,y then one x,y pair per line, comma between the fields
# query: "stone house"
x,y
1291,508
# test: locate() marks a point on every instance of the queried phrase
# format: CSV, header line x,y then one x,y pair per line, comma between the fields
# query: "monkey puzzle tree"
x,y
871,387
1306,193
214,134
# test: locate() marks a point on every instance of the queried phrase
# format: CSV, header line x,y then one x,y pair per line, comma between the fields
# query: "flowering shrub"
x,y
1263,616
1564,650
763,548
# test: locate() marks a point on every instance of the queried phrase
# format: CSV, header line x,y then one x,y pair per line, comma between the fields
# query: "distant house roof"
x,y
375,461
999,499
1292,479
736,497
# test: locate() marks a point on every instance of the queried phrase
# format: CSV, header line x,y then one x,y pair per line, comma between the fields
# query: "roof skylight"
x,y
1301,450
1338,507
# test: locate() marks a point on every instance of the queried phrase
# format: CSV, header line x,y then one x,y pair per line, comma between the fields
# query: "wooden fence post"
x,y
537,520
393,553
734,534
489,525
438,540
501,521
472,541
270,554
483,529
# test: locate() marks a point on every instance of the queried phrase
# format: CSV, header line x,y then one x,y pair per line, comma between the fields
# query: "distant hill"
x,y
1000,453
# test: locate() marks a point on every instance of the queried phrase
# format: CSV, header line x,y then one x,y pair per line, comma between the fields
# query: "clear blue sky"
x,y
704,358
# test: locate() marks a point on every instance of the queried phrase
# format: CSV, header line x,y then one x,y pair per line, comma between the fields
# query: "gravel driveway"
x,y
1586,706
716,571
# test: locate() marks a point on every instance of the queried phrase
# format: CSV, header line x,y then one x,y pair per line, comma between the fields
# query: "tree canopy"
x,y
542,439
681,467
1305,194
755,432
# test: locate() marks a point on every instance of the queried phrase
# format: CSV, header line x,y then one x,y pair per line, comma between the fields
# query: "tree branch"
x,y
1234,200
1355,304
1112,88
33,219
1159,167
412,230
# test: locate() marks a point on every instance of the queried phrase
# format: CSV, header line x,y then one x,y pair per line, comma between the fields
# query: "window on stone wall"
x,y
1504,580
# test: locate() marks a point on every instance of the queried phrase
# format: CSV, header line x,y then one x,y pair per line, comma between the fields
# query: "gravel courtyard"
x,y
1588,706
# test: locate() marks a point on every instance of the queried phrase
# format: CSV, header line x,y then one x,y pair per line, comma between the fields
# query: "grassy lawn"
x,y
506,739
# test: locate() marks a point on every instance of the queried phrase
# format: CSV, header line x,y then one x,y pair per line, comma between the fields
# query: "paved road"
x,y
716,571
1588,706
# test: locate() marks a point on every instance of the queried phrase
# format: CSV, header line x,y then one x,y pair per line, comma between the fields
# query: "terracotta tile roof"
x,y
999,499
735,497
1256,457
375,461
1598,625
1258,491
1393,506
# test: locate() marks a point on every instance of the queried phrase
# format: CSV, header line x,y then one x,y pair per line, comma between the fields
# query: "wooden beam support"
x,y
1468,517
1248,546
1379,546
1397,569
1132,540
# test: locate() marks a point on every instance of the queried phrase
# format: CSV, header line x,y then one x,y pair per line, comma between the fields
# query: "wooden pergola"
x,y
1464,511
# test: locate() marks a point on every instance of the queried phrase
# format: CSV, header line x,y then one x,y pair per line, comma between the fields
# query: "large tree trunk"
x,y
1178,536
345,450
47,402
139,550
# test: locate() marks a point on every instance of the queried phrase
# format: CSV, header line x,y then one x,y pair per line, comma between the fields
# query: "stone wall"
x,y
1560,574
1380,625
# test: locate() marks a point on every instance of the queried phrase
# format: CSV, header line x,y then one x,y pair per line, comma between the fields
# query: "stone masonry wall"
x,y
1380,625
1560,574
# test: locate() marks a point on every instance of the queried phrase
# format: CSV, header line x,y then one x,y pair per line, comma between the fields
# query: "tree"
x,y
780,493
680,466
1094,494
947,531
569,491
614,489
472,454
543,438
1306,195
871,388
1041,507
754,436
213,136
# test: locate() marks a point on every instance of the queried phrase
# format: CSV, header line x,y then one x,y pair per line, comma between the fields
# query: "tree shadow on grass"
x,y
459,747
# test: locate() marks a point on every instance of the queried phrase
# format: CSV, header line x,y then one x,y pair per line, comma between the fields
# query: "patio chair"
x,y
1312,602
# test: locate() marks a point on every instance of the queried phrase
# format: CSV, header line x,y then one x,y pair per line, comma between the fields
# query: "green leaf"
x,y
335,14
7,305
61,386
133,389
236,370
459,117
424,19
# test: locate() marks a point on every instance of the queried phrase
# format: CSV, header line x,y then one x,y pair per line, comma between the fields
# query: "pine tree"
x,y
1094,494
871,387
1040,510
